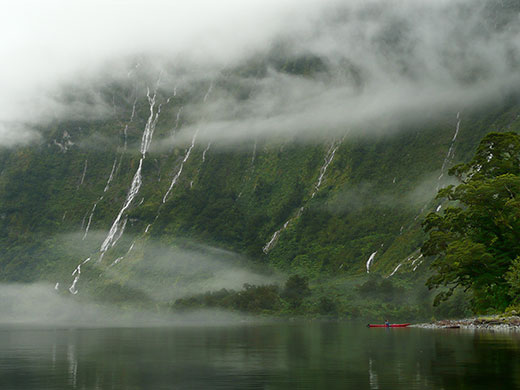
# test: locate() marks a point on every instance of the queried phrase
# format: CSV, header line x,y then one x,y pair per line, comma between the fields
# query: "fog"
x,y
160,272
40,305
378,64
168,272
366,194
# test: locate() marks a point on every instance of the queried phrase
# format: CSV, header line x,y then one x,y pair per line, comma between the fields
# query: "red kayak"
x,y
391,326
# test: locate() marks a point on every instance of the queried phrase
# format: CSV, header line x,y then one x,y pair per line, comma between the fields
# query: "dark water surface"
x,y
263,356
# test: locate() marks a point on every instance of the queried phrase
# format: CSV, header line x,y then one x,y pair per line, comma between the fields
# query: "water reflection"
x,y
268,356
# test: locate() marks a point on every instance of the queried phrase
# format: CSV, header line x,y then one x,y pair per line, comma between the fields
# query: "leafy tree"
x,y
257,298
327,306
296,289
477,237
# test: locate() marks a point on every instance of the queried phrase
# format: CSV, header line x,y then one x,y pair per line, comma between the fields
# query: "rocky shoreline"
x,y
493,323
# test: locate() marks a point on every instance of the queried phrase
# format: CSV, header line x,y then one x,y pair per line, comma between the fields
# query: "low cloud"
x,y
366,195
40,305
158,271
305,69
170,272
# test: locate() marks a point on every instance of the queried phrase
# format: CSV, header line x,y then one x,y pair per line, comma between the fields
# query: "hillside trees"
x,y
477,237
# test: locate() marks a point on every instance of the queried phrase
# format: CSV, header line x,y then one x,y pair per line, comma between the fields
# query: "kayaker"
x,y
387,323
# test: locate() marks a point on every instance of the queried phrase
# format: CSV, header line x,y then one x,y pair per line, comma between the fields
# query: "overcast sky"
x,y
412,55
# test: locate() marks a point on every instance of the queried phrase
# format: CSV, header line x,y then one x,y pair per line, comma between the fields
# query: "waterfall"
x,y
205,151
411,260
111,176
76,274
107,186
184,160
90,218
328,159
370,260
178,174
208,92
395,270
177,117
451,153
118,226
83,175
329,156
125,130
118,260
272,242
415,268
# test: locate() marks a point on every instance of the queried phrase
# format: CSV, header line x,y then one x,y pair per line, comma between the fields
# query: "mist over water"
x,y
152,271
39,305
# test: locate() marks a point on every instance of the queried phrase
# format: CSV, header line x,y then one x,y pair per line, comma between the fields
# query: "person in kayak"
x,y
387,323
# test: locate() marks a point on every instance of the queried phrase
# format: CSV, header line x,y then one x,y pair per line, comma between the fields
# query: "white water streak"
x,y
77,273
205,151
90,218
395,270
177,119
119,259
111,176
84,173
125,130
150,123
178,174
83,220
272,242
370,260
207,93
450,154
134,189
117,228
415,260
328,159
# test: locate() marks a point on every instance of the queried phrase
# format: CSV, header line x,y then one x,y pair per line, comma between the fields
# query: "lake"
x,y
299,355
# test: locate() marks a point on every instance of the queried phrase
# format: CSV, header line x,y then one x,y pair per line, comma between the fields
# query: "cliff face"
x,y
304,161
346,204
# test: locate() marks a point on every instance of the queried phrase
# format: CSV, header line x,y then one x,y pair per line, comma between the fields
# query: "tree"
x,y
477,237
296,289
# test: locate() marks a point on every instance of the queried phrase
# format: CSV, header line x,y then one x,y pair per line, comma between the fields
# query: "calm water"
x,y
268,356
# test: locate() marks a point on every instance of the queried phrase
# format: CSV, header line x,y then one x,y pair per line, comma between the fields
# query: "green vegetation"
x,y
477,238
373,197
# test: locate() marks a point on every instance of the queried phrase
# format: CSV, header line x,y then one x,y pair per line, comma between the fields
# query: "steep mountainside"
x,y
165,175
322,208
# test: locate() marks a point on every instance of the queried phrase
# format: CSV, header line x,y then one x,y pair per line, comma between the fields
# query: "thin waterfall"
x,y
329,156
119,224
178,174
370,261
